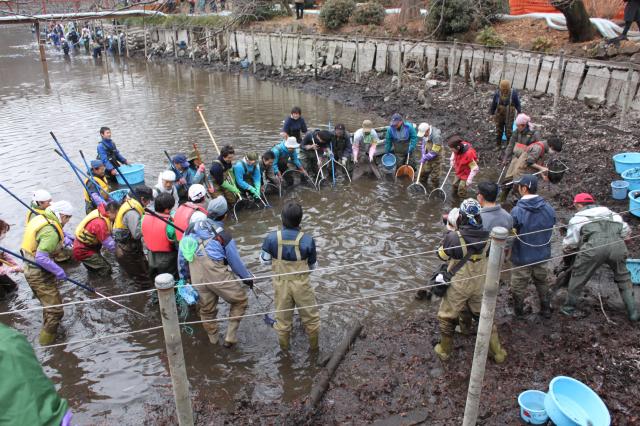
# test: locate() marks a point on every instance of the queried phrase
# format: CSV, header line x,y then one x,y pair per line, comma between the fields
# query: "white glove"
x,y
440,279
344,161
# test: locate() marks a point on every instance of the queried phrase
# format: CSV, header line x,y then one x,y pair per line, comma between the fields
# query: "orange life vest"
x,y
183,216
154,232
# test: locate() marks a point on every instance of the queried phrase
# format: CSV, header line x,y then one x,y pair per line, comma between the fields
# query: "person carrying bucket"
x,y
96,185
431,154
597,235
127,233
205,251
402,139
465,249
464,161
110,156
43,238
292,252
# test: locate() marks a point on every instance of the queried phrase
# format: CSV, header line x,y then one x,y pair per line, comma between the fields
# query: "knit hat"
x,y
583,198
522,119
168,175
471,209
96,164
61,207
217,207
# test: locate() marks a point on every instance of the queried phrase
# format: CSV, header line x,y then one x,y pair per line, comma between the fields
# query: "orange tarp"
x,y
522,7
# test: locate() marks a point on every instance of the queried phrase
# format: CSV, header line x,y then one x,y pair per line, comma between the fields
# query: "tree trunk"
x,y
409,10
580,28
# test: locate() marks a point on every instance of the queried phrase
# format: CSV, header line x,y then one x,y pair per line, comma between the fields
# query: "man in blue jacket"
x,y
248,175
203,261
294,125
286,154
109,154
533,221
402,139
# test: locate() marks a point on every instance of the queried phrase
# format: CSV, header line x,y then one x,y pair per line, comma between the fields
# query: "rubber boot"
x,y
46,338
630,303
496,351
498,143
518,306
230,339
314,341
283,341
422,295
545,305
213,338
569,306
464,322
445,347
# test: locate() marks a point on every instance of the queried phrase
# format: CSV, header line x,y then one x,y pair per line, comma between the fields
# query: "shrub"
x,y
449,17
489,37
369,13
336,13
541,44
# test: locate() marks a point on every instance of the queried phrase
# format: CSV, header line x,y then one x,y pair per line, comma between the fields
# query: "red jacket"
x,y
462,159
97,227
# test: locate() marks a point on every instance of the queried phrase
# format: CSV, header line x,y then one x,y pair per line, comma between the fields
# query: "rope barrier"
x,y
318,305
326,268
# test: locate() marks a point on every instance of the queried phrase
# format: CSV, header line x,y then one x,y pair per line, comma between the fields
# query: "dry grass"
x,y
604,8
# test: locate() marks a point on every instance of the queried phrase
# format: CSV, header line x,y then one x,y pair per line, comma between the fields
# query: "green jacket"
x,y
27,396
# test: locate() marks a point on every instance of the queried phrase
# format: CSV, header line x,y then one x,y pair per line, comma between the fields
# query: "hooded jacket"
x,y
532,214
280,151
474,237
591,220
108,153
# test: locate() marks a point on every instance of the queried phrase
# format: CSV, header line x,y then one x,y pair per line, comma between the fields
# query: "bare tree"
x,y
410,10
578,23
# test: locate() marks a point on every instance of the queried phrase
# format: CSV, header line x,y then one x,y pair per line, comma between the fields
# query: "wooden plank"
x,y
381,57
572,78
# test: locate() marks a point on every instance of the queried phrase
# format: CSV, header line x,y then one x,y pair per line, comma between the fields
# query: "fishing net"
x,y
557,170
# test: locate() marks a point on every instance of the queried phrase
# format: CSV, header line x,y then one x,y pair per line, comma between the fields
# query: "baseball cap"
x,y
583,198
530,181
180,159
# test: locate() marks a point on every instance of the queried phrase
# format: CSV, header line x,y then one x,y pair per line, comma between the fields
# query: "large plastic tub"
x,y
626,160
570,402
134,173
632,176
634,203
633,265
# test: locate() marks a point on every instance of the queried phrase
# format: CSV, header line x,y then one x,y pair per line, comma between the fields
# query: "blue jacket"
x,y
515,102
281,151
190,175
242,169
406,134
202,231
307,247
107,152
530,215
296,128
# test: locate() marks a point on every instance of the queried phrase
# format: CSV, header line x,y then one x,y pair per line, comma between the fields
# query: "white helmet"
x,y
423,129
168,175
197,192
61,207
41,195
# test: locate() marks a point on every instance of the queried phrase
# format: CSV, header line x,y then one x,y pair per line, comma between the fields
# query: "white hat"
x,y
423,128
168,175
197,192
61,207
41,195
291,142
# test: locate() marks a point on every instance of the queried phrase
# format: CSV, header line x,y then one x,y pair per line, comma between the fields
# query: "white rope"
x,y
323,269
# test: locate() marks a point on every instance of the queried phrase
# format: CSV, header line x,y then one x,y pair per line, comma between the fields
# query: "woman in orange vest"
x,y
192,211
93,233
160,238
464,162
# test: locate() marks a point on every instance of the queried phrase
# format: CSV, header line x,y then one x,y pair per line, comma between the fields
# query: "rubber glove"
x,y
372,152
254,192
229,187
428,156
45,262
109,244
97,199
68,239
248,283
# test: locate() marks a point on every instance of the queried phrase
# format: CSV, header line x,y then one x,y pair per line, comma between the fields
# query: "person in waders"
x,y
40,201
598,236
94,233
194,210
110,156
290,251
313,148
286,157
127,233
160,238
204,254
431,154
222,175
464,161
401,139
365,141
185,175
342,149
97,186
469,246
294,125
504,108
247,174
7,266
43,238
266,168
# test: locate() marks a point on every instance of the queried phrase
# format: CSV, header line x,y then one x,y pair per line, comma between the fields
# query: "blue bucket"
x,y
633,265
532,407
572,403
634,204
134,173
626,160
119,195
619,189
633,177
389,161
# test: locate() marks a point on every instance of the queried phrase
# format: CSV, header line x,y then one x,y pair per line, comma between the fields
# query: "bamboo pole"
x,y
43,57
357,60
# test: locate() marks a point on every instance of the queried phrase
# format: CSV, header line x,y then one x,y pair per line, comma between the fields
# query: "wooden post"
x,y
627,97
281,55
467,71
43,57
126,42
207,35
228,51
175,355
357,60
105,55
556,93
253,52
504,63
315,58
144,29
496,257
452,61
399,63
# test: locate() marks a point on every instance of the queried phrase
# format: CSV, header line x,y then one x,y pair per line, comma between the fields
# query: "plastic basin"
x,y
632,176
619,189
532,407
634,203
570,402
625,161
389,161
119,195
633,265
134,173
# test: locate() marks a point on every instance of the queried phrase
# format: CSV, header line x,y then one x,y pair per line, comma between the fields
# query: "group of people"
x,y
70,37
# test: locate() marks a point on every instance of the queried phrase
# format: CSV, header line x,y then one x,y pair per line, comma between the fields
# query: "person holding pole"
x,y
97,187
109,154
43,238
464,161
222,175
286,157
39,203
93,233
204,253
365,141
314,145
8,265
432,152
465,250
292,252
